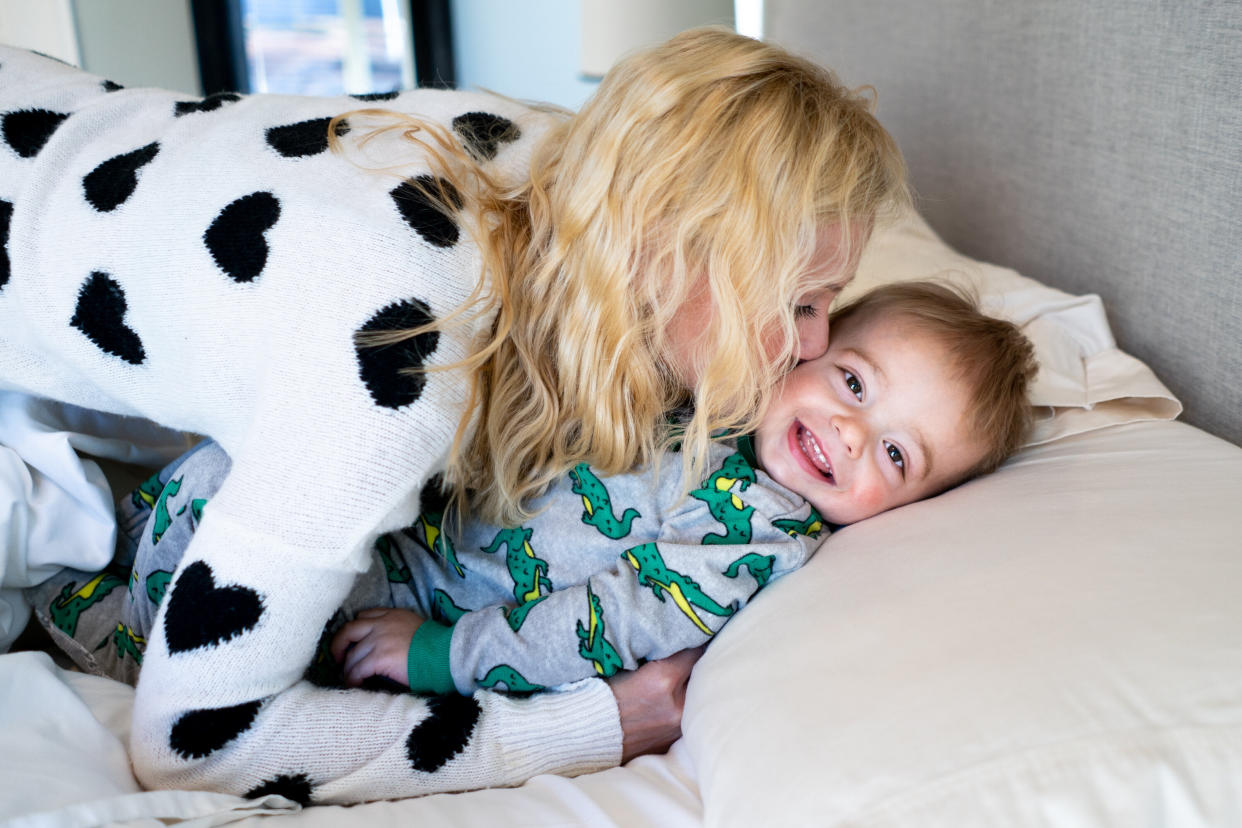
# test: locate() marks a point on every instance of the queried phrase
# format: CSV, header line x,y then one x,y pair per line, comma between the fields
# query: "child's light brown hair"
x,y
991,357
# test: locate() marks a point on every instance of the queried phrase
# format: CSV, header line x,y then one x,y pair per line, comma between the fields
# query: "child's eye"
x,y
852,383
805,311
895,455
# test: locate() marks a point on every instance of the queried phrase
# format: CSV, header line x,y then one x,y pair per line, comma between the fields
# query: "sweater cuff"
x,y
428,665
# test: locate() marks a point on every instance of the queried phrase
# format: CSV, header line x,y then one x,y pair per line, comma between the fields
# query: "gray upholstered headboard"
x,y
1095,146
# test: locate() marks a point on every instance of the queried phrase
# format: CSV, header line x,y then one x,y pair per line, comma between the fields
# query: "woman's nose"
x,y
812,338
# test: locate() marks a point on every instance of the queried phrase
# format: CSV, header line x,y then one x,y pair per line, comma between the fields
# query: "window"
x,y
323,47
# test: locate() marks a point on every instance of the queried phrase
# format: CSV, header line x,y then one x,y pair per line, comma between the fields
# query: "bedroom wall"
x,y
139,42
525,50
46,26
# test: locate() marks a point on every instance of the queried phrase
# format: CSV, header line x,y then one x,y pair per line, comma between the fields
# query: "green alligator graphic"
x,y
396,570
443,609
597,505
760,567
157,585
128,643
196,509
163,519
436,541
685,592
727,508
811,527
734,469
513,681
66,608
516,615
724,505
147,493
592,644
529,572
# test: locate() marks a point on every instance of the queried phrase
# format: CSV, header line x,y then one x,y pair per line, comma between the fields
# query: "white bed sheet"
x,y
63,764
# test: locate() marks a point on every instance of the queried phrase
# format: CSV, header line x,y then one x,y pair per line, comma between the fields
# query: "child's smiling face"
x,y
878,421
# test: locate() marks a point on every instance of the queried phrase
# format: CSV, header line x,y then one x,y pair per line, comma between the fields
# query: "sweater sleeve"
x,y
221,704
659,598
209,265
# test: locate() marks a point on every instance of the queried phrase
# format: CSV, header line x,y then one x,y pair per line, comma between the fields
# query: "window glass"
x,y
328,47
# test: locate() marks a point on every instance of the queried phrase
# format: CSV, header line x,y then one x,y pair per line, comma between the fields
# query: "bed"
x,y
1055,644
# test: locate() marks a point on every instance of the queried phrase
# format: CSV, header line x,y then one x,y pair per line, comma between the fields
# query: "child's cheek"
x,y
871,498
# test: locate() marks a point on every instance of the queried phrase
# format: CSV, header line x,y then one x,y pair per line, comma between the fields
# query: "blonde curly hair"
x,y
702,167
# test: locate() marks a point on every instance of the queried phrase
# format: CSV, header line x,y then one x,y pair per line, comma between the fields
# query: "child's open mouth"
x,y
810,448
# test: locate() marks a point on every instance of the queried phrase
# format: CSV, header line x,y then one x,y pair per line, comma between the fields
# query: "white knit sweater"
x,y
206,264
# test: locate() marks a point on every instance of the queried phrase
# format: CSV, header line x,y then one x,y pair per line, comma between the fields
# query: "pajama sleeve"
x,y
659,598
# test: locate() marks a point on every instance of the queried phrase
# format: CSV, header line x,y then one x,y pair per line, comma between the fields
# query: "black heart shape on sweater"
x,y
382,367
303,138
235,237
200,732
6,215
425,204
113,181
100,314
442,735
207,104
28,130
295,787
201,614
483,133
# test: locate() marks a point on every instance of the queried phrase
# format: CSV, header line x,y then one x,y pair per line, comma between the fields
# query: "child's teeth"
x,y
811,447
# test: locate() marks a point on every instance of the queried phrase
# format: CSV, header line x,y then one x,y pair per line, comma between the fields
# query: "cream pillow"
x,y
1056,644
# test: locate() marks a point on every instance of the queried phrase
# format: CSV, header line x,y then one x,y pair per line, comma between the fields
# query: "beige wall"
x,y
45,26
139,42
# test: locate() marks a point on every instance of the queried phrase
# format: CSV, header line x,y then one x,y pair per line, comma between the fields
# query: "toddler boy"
x,y
917,392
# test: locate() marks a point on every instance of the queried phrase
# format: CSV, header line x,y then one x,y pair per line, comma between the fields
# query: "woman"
x,y
353,301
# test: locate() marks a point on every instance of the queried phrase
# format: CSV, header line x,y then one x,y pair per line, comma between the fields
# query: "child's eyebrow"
x,y
870,364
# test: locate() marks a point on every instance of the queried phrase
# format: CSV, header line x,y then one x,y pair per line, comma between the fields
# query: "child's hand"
x,y
376,643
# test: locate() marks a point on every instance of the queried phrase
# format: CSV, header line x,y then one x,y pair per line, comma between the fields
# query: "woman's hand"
x,y
376,643
650,701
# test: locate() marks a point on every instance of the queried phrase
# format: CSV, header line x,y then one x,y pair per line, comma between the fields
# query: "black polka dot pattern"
x,y
442,735
201,614
28,130
108,186
378,96
235,238
201,732
207,104
424,203
100,314
111,86
303,138
295,787
383,368
6,215
483,133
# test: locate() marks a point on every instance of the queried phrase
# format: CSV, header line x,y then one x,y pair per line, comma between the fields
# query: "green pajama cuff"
x,y
428,665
